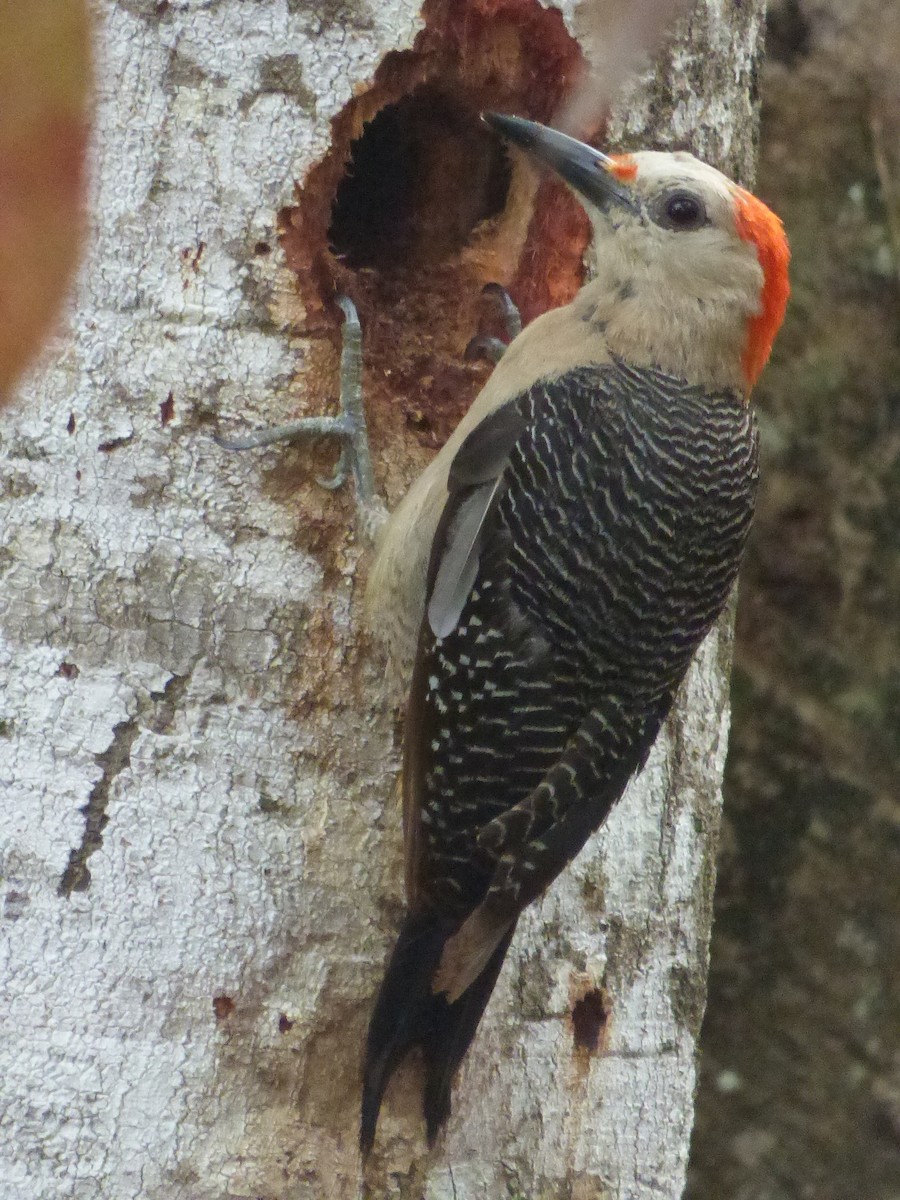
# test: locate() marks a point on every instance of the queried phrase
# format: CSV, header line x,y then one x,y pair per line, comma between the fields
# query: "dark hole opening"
x,y
423,174
588,1019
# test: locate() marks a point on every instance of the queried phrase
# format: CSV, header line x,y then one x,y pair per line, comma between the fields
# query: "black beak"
x,y
584,169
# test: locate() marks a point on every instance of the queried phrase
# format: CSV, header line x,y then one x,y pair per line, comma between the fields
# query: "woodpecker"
x,y
553,571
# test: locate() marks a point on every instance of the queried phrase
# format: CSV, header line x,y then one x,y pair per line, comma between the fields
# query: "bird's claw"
x,y
339,478
484,346
512,318
349,427
488,346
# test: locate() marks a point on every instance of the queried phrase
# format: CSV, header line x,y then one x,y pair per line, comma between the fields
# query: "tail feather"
x,y
408,1013
451,1036
401,1013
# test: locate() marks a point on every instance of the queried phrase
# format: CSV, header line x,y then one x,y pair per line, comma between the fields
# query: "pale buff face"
x,y
711,258
671,292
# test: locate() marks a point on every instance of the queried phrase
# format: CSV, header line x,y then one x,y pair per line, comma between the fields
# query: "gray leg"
x,y
493,348
512,318
483,346
349,427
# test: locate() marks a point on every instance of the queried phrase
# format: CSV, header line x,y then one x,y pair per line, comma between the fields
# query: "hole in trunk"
x,y
416,205
589,1017
393,204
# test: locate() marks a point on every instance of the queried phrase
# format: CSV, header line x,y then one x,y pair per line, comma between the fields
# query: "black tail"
x,y
407,1013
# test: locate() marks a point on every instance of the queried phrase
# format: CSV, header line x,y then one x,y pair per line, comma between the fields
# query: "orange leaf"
x,y
44,88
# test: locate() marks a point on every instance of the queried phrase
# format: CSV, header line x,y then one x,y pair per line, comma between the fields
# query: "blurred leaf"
x,y
44,78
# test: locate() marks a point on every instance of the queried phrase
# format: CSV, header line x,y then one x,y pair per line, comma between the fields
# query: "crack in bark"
x,y
116,758
76,877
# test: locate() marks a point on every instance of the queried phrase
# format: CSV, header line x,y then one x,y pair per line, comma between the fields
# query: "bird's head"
x,y
691,268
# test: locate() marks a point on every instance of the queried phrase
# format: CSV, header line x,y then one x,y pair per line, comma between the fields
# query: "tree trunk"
x,y
201,855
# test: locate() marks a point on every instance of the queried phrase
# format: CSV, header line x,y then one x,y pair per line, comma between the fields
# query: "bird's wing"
x,y
474,485
468,537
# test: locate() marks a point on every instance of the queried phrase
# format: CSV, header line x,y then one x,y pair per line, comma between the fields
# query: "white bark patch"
x,y
186,1024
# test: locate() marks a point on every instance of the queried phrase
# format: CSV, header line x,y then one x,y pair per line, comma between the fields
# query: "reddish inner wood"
x,y
451,215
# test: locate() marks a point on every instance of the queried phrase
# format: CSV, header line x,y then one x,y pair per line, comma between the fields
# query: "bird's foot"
x,y
487,346
349,427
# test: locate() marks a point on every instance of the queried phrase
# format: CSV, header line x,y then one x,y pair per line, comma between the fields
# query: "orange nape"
x,y
756,223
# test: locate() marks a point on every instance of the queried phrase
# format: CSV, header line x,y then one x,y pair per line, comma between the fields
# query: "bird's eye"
x,y
682,211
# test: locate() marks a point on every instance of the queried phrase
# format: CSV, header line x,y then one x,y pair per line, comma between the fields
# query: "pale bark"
x,y
186,1022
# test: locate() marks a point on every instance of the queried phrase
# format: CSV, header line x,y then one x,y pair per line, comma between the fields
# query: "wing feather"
x,y
458,565
474,484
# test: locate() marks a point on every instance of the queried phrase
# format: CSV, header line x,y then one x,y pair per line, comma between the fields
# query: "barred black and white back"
x,y
592,533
